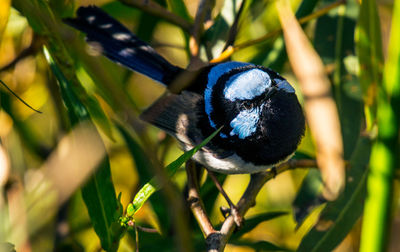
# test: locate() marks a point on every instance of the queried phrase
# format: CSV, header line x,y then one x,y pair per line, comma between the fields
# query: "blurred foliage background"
x,y
70,84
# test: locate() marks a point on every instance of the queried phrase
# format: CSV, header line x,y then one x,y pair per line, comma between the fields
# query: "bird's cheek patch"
x,y
245,123
215,73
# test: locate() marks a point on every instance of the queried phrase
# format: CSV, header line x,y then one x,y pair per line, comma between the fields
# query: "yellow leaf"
x,y
4,14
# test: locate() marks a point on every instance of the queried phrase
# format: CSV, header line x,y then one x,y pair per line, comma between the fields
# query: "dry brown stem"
x,y
320,108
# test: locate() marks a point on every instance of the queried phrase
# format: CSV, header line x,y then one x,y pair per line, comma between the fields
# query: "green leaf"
x,y
98,193
369,49
179,7
100,199
252,222
275,55
338,217
144,167
149,188
130,210
154,242
142,162
175,165
63,8
98,115
7,247
76,111
334,42
258,246
385,156
216,36
309,196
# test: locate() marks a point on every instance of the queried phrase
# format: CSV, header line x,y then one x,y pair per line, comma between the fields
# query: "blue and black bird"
x,y
261,118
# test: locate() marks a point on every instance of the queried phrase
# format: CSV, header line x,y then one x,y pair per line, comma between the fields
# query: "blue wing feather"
x,y
120,45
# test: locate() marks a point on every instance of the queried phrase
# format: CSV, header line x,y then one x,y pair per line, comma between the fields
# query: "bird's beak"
x,y
270,92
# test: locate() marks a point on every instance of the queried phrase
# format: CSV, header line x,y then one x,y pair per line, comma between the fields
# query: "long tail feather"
x,y
120,45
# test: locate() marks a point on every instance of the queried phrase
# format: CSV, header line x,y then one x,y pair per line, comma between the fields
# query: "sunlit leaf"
x,y
4,13
76,111
98,116
334,42
309,196
144,168
99,196
338,217
385,160
215,37
275,56
63,8
179,7
7,247
369,49
340,26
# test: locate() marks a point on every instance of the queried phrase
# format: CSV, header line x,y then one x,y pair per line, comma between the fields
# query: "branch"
x,y
218,240
159,11
195,202
233,31
234,48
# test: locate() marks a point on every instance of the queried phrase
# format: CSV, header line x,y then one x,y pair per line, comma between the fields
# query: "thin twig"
x,y
146,229
19,98
234,48
303,20
219,187
136,237
233,31
233,209
195,202
205,7
157,10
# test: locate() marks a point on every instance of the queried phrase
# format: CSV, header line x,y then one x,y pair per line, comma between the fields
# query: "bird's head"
x,y
259,112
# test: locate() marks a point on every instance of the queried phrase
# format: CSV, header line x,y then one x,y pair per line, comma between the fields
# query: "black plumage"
x,y
262,121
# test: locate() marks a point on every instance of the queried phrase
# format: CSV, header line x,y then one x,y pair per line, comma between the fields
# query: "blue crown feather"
x,y
239,87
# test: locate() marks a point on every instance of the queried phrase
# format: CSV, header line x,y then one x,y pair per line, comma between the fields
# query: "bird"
x,y
258,113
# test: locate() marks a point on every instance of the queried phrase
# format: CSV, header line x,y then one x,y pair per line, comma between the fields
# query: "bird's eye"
x,y
247,105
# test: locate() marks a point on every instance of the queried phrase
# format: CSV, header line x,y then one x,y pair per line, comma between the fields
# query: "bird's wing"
x,y
117,43
177,114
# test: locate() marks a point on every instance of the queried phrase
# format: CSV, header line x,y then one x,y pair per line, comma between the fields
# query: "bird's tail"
x,y
118,44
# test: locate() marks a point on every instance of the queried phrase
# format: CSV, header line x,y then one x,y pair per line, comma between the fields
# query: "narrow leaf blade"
x,y
98,193
149,188
338,217
252,222
369,47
